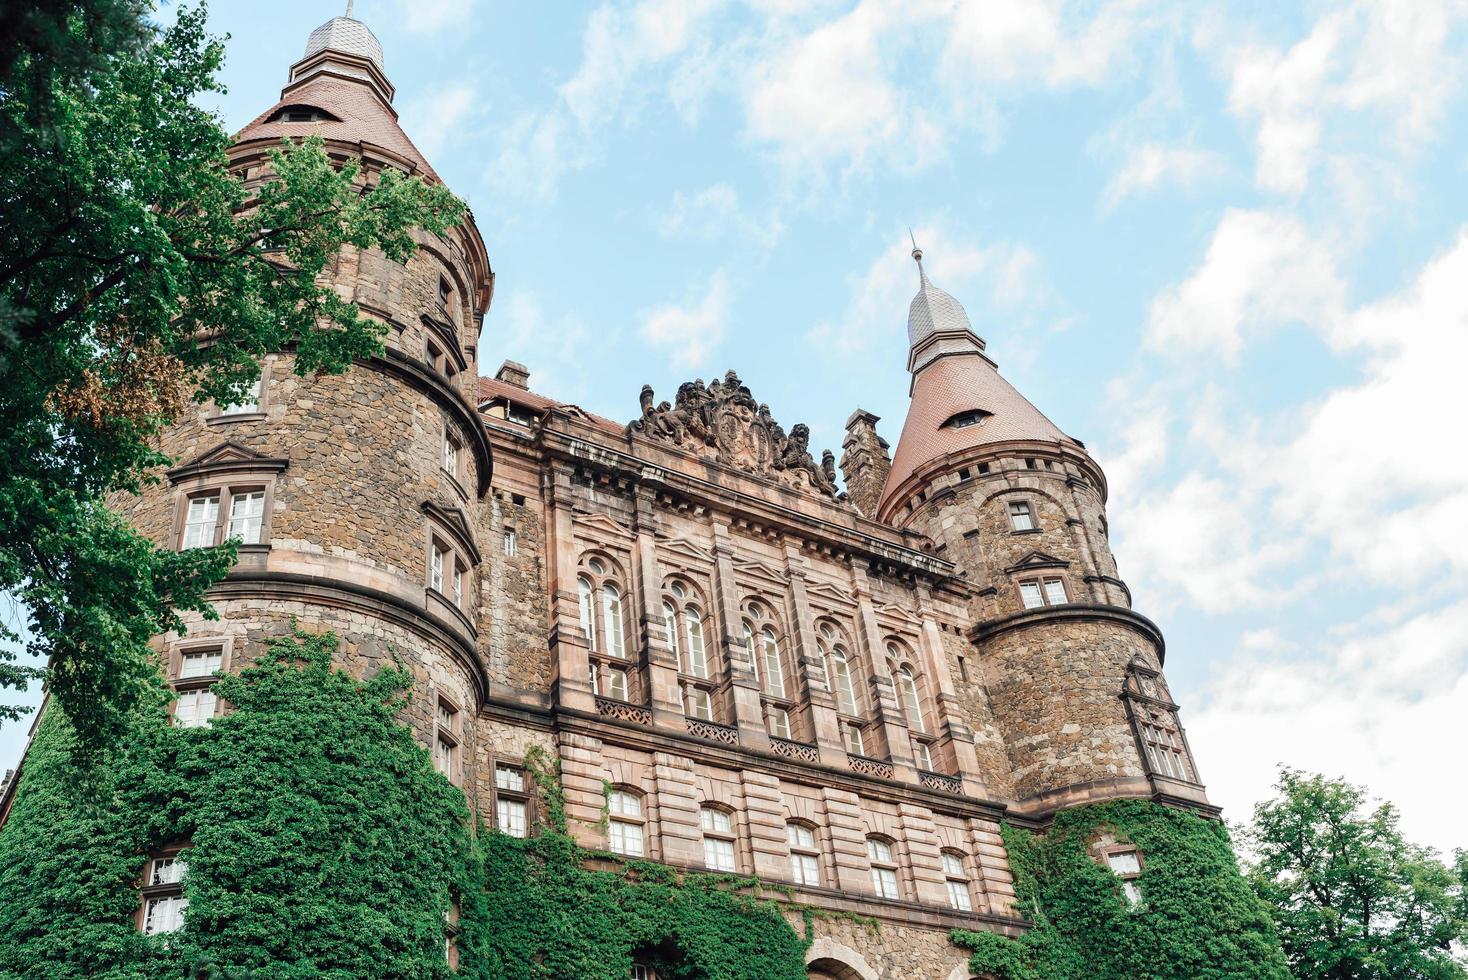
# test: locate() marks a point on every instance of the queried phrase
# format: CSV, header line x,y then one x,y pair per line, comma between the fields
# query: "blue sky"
x,y
1223,244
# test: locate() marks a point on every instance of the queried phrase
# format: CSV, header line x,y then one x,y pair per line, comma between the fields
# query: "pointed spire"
x,y
917,256
349,10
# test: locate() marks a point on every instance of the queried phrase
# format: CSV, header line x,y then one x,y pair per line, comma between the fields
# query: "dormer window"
x,y
303,114
962,420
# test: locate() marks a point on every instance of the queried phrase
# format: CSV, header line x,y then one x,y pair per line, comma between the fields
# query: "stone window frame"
x,y
1042,583
448,737
217,415
451,932
728,836
814,852
226,484
959,884
192,685
509,543
1030,511
831,638
903,663
1150,709
596,572
525,795
150,892
447,532
1130,890
880,867
764,630
639,820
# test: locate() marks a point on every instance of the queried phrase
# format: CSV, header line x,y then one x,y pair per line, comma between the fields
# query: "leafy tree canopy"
x,y
138,273
1352,899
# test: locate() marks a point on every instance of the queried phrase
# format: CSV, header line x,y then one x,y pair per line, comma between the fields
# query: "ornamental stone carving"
x,y
721,420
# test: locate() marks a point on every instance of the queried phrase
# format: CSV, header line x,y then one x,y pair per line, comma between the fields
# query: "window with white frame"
x,y
838,667
1021,518
511,800
249,402
956,878
697,703
600,602
616,681
1035,593
195,709
448,574
245,510
193,671
1164,745
200,663
718,838
163,900
764,644
907,689
1126,864
446,742
779,722
922,755
511,544
855,741
684,623
450,461
884,867
625,826
805,867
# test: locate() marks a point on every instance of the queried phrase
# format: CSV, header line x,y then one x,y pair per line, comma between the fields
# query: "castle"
x,y
738,666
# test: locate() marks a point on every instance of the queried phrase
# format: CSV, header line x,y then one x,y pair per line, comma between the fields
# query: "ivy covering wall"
x,y
324,844
1198,919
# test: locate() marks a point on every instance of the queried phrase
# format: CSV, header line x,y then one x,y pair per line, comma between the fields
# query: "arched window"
x,y
838,667
718,838
588,617
611,620
759,632
884,867
907,689
625,833
956,877
804,854
684,622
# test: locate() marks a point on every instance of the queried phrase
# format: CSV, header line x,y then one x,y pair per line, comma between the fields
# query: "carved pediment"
x,y
753,566
227,457
900,614
603,523
828,593
722,421
452,520
1037,559
685,551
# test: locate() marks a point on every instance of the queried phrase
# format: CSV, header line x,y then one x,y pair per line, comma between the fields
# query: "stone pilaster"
x,y
749,715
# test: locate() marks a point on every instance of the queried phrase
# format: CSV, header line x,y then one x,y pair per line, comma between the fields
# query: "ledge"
x,y
1073,612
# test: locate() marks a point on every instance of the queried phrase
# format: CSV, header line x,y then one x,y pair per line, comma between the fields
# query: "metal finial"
x,y
917,255
349,9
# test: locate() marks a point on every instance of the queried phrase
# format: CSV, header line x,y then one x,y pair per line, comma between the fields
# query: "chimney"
x,y
514,373
866,462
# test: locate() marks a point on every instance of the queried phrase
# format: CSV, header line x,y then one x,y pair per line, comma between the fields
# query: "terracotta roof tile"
x,y
951,385
494,388
364,118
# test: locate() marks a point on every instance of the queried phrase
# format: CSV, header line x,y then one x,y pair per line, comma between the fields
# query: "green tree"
x,y
138,273
1352,899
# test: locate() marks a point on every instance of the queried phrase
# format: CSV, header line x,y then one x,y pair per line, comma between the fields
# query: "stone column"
x,y
767,843
749,715
923,853
882,690
849,864
680,838
996,880
570,662
952,731
810,669
660,666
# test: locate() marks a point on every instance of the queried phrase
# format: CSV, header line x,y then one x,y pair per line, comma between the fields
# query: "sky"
x,y
1224,244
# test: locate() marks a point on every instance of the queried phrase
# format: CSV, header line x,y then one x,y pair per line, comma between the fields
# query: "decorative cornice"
x,y
430,383
1072,612
227,457
452,520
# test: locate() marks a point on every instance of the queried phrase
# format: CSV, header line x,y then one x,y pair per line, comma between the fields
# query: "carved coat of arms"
x,y
723,421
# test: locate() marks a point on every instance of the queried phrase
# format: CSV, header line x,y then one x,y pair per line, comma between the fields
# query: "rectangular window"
x,y
511,545
625,838
164,914
718,854
804,869
246,515
195,709
1020,517
435,568
203,518
854,742
884,881
779,723
1030,595
700,706
510,778
922,756
450,456
510,815
200,663
1127,865
1055,592
250,401
958,896
617,684
448,716
444,757
168,871
458,579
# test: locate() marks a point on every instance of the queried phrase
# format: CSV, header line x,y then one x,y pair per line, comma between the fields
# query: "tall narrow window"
x,y
1020,516
611,616
855,744
718,839
511,802
779,722
698,664
616,684
804,855
922,755
670,623
1055,591
450,456
588,622
203,517
884,868
907,686
841,680
698,705
446,744
246,514
458,580
1126,864
164,904
956,877
511,544
436,560
774,667
624,827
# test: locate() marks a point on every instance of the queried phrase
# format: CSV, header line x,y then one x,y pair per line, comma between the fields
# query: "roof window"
x,y
302,114
973,416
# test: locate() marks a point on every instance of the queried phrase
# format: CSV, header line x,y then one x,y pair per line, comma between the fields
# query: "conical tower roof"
x,y
959,400
340,91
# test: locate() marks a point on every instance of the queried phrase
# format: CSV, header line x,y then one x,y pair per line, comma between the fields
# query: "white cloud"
x,y
1002,276
714,212
1261,269
691,331
1151,165
434,119
1378,709
435,16
534,151
561,352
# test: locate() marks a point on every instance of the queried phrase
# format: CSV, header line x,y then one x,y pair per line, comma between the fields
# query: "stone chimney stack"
x,y
865,461
514,373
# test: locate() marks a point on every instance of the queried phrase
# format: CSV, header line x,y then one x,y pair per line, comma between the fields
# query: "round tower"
x,y
358,496
1073,673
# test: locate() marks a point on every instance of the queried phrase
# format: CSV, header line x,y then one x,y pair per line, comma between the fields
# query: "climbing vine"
x,y
1198,919
322,843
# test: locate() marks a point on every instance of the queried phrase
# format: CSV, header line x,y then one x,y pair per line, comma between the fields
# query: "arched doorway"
x,y
829,960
